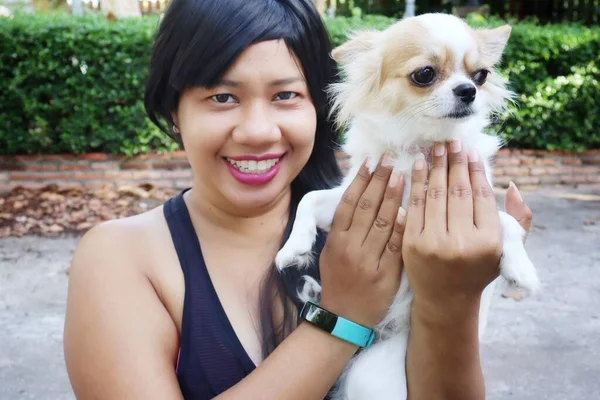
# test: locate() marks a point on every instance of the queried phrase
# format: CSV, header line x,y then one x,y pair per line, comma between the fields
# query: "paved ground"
x,y
543,348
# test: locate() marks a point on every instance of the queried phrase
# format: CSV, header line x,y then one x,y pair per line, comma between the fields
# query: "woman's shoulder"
x,y
130,238
133,248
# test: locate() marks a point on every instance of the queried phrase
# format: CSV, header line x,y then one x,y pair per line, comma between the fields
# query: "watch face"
x,y
323,319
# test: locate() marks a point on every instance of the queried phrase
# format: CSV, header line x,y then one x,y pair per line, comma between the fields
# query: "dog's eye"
x,y
480,76
424,76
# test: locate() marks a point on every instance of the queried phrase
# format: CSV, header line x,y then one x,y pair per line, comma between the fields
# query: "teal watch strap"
x,y
337,326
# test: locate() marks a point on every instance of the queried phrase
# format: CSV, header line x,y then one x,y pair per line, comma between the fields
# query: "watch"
x,y
337,326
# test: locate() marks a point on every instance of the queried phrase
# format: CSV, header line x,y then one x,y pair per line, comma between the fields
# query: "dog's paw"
x,y
309,289
286,259
518,270
294,253
515,265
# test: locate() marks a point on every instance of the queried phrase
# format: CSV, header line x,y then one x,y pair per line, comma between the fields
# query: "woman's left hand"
x,y
518,209
453,238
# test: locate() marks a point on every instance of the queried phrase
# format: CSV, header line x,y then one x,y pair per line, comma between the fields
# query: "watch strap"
x,y
337,326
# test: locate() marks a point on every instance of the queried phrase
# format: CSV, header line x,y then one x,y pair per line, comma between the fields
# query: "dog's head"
x,y
433,68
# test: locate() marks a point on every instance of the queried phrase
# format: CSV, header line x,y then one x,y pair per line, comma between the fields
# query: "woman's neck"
x,y
255,227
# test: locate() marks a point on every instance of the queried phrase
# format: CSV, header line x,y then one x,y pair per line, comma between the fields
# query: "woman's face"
x,y
247,138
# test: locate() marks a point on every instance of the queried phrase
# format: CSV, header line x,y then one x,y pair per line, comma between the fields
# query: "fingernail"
x,y
456,146
473,155
438,149
387,159
401,215
512,184
420,161
393,182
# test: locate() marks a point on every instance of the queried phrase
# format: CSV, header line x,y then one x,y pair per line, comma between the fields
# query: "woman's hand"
x,y
453,239
361,262
516,208
451,252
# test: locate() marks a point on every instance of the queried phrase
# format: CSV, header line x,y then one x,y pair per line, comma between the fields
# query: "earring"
x,y
175,129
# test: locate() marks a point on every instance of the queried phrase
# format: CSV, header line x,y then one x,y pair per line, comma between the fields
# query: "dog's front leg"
x,y
376,373
315,210
515,265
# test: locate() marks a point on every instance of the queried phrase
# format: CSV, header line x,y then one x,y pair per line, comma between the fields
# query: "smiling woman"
x,y
259,114
184,300
240,85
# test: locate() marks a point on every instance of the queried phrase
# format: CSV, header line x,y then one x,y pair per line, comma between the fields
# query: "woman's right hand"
x,y
361,263
453,241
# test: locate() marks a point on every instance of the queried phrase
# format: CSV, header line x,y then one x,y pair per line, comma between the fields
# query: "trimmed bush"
x,y
560,113
76,84
554,71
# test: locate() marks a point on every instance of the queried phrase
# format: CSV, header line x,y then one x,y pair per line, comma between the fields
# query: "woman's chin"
x,y
250,199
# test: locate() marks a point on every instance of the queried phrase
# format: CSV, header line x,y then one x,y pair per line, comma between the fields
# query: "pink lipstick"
x,y
254,170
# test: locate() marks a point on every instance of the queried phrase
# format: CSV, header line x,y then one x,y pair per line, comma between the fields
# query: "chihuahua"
x,y
424,79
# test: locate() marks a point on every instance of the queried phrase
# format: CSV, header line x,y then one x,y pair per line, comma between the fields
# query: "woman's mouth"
x,y
254,172
253,166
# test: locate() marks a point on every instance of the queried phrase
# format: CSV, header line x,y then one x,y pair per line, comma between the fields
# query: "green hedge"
x,y
554,71
76,84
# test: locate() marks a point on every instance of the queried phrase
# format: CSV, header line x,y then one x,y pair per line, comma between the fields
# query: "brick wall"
x,y
94,170
535,167
524,167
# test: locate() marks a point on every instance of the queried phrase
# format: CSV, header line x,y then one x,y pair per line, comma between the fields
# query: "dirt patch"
x,y
53,211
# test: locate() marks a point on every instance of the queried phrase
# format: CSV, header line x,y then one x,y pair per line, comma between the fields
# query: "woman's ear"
x,y
175,126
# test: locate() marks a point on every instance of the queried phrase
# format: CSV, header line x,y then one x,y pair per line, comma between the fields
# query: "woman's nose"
x,y
257,127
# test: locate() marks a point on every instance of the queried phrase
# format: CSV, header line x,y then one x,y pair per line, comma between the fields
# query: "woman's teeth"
x,y
253,167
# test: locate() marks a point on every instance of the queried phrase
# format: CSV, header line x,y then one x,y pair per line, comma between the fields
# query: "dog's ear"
x,y
357,44
494,41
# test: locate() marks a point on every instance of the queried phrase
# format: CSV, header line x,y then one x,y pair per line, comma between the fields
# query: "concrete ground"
x,y
547,347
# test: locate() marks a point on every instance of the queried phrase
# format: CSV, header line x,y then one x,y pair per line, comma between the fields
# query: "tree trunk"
x,y
409,11
14,5
114,9
320,4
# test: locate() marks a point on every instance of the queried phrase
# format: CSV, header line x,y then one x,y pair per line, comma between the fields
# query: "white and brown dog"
x,y
423,80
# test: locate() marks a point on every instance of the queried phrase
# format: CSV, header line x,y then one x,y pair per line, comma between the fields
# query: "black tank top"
x,y
211,357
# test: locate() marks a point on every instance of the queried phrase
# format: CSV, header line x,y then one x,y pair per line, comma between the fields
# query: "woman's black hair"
x,y
197,41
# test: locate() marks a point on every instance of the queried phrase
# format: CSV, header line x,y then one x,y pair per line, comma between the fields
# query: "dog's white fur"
x,y
385,111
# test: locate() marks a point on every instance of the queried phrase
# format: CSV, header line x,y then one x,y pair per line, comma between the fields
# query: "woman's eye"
x,y
223,98
286,95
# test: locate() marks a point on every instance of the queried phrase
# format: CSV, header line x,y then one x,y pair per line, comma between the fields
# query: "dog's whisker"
x,y
418,113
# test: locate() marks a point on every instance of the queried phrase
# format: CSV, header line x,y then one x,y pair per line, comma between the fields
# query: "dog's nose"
x,y
466,92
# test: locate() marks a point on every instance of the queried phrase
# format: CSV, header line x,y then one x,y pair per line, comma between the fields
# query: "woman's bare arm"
x,y
449,264
443,356
121,343
305,366
119,337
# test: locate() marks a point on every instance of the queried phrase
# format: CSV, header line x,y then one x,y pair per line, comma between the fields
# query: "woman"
x,y
152,315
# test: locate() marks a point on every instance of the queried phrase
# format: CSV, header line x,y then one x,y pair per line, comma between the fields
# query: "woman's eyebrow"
x,y
276,82
286,81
